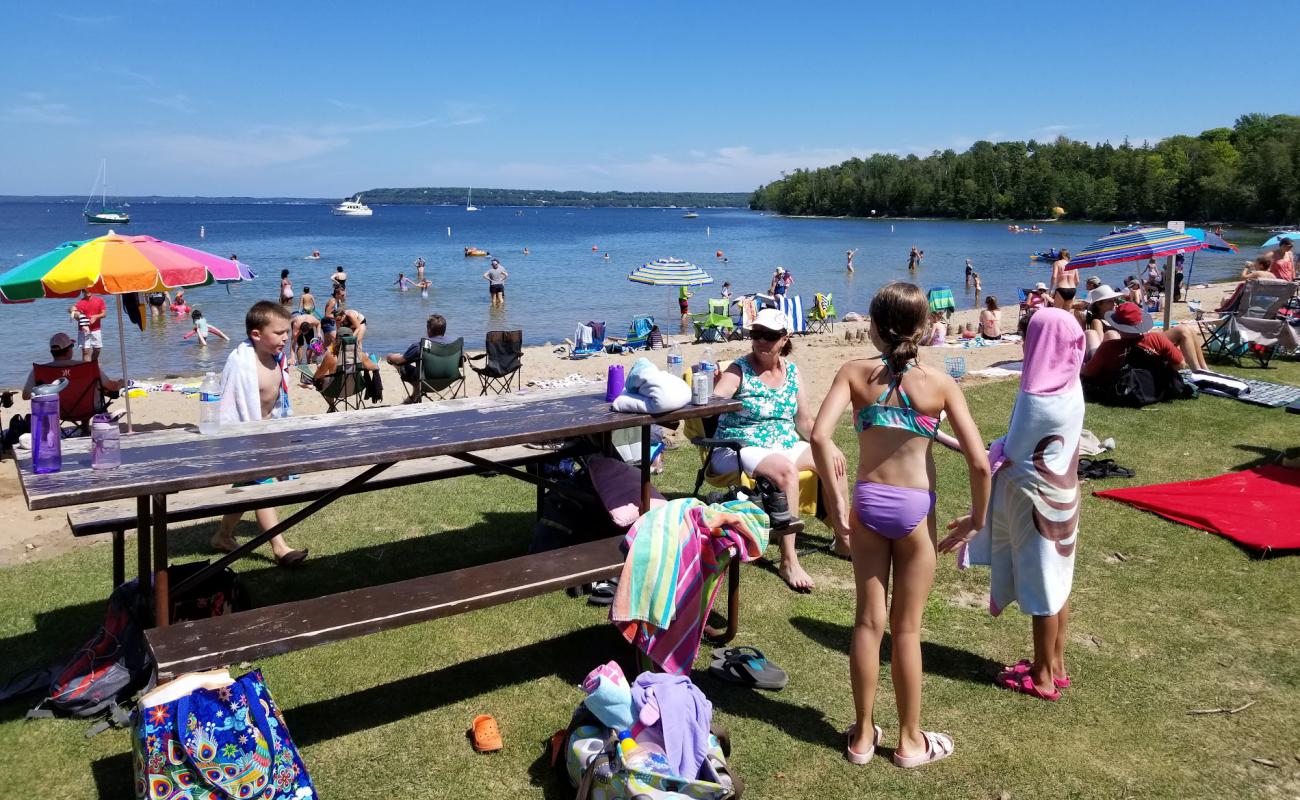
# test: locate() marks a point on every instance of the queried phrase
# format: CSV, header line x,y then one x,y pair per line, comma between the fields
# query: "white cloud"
x,y
123,72
178,102
34,108
249,150
454,115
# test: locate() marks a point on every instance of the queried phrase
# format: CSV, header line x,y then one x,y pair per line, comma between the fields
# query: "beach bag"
x,y
571,512
597,768
218,744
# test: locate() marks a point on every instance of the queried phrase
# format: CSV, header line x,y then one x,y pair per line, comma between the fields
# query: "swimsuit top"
x,y
903,418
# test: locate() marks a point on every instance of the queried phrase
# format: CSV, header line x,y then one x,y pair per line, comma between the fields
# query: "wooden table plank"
x,y
280,447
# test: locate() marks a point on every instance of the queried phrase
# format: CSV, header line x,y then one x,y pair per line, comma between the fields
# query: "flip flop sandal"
x,y
746,666
854,756
938,746
1022,667
602,593
292,559
1022,683
484,734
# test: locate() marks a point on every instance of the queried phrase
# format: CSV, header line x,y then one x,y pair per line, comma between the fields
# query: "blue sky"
x,y
325,98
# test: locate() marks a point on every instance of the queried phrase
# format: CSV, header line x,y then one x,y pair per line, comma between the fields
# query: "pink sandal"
x,y
938,746
854,756
1021,682
1023,666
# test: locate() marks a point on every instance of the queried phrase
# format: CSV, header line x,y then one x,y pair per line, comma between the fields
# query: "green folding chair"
x,y
440,371
716,324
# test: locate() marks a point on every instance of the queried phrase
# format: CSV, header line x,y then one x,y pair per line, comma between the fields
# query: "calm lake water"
x,y
561,283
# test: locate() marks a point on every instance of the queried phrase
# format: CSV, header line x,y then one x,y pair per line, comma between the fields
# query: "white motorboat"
x,y
352,208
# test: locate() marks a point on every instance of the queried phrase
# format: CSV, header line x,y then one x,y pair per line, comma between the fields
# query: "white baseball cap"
x,y
772,320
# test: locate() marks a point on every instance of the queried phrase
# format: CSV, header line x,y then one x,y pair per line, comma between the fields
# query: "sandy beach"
x,y
45,534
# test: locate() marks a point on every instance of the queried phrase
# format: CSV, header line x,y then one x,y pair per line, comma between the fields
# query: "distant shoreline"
x,y
323,201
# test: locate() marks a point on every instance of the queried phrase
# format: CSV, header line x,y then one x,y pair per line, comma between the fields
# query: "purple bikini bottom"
x,y
891,511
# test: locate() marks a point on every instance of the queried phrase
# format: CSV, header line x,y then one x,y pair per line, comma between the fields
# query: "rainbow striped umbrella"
x,y
117,265
1133,245
670,272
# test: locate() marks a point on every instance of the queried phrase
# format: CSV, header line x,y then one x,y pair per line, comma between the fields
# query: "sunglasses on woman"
x,y
763,334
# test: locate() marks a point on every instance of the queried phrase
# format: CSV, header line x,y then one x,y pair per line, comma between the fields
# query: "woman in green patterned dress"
x,y
774,425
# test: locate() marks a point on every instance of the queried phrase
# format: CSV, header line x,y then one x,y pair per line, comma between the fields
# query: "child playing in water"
x,y
403,282
890,526
203,328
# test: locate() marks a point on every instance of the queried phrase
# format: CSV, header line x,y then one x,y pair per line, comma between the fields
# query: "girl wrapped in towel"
x,y
1033,518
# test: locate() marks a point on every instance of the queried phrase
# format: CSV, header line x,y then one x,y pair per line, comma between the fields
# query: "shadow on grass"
x,y
55,637
1265,455
939,659
113,775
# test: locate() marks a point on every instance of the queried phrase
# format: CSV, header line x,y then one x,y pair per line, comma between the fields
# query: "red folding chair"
x,y
81,399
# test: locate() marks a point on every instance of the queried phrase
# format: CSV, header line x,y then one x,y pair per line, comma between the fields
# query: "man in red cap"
x,y
1134,328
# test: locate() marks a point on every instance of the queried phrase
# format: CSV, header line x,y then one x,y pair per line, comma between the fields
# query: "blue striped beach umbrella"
x,y
670,272
1133,245
1276,239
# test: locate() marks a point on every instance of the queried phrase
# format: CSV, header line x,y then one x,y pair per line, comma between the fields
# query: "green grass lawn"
x,y
1166,619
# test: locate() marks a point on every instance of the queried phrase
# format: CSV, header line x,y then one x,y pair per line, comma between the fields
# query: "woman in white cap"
x,y
774,424
1101,301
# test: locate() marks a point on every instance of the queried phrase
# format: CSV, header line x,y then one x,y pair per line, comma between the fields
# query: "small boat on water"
x,y
469,201
352,208
690,215
106,215
474,252
1045,255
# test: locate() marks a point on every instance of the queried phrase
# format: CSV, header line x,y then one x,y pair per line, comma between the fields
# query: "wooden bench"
x,y
116,517
248,635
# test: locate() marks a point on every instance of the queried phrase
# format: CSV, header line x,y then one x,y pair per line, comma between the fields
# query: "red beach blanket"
x,y
1256,508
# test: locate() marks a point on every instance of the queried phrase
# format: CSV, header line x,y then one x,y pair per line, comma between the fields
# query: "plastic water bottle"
x,y
209,405
106,443
675,364
648,757
47,438
709,366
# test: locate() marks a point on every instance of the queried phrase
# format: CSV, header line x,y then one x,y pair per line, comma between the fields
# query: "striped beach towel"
x,y
792,306
676,556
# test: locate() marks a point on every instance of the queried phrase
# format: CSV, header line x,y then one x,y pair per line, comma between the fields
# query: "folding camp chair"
x,y
1253,327
1022,321
502,361
349,383
81,399
638,333
715,325
440,371
822,316
792,306
588,339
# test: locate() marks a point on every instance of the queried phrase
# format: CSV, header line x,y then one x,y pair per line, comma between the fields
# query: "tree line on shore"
x,y
1249,172
443,195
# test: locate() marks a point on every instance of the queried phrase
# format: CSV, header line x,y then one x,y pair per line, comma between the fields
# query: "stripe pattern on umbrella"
x,y
670,272
114,264
1133,245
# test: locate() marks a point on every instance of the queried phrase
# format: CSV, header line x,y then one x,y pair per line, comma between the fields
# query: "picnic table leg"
x,y
162,595
535,470
645,468
733,606
143,560
119,557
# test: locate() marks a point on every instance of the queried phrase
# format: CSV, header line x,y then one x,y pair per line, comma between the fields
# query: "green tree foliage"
x,y
1250,172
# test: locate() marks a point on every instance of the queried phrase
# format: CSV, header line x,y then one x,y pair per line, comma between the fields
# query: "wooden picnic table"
x,y
158,465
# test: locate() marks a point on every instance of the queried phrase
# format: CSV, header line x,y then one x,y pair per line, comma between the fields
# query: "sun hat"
x,y
1103,292
1040,287
771,319
779,270
60,341
1129,318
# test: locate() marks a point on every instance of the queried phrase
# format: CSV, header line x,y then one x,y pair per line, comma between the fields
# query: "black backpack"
x,y
1143,380
115,663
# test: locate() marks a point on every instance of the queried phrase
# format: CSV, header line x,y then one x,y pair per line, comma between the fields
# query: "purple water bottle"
x,y
47,438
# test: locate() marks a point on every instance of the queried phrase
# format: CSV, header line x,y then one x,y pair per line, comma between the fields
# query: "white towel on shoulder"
x,y
241,400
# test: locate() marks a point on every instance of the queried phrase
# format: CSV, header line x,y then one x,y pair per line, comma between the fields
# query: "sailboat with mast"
x,y
469,201
105,215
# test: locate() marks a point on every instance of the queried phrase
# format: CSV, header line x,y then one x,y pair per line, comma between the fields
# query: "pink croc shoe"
x,y
854,756
1024,664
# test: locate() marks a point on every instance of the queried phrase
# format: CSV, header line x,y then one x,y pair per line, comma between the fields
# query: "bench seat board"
x,y
249,635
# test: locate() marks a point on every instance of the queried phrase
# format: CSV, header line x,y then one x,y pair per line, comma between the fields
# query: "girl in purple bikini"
x,y
890,525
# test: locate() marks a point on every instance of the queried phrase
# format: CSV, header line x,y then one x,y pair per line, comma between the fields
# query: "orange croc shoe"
x,y
484,734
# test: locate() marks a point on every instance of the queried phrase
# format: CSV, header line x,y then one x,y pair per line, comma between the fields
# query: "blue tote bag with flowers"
x,y
229,743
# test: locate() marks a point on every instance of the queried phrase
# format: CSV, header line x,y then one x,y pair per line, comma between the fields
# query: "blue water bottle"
x,y
47,437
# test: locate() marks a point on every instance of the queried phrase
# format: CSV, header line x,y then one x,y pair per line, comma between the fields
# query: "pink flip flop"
x,y
1021,682
1023,666
854,756
938,746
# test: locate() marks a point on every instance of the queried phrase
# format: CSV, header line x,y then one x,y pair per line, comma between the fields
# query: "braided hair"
x,y
899,312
